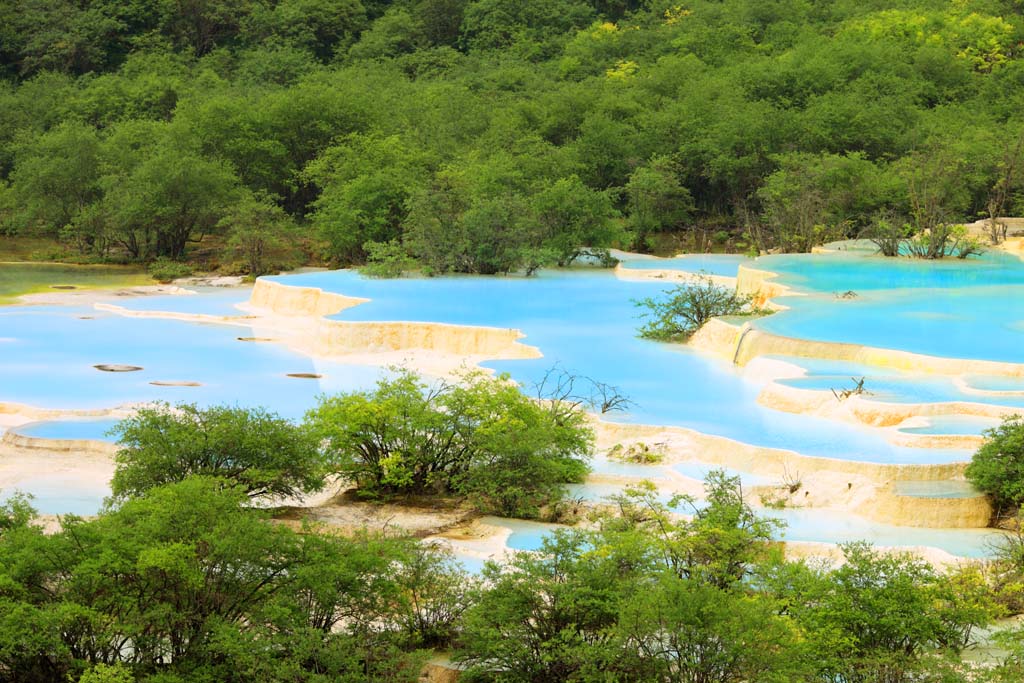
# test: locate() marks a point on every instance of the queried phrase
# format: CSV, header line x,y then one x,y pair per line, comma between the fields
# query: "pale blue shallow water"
x,y
48,359
583,320
586,322
888,385
206,301
96,430
930,307
60,493
954,424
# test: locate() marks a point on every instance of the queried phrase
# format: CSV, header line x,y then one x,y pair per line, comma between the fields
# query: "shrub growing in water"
x,y
688,306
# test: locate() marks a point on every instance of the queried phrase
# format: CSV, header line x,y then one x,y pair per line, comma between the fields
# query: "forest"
x,y
492,136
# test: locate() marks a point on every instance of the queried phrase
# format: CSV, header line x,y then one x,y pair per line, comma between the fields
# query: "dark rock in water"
x,y
305,375
161,383
117,368
255,339
63,287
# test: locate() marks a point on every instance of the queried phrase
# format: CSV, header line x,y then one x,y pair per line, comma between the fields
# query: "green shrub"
x,y
688,306
387,260
263,453
481,438
164,270
997,468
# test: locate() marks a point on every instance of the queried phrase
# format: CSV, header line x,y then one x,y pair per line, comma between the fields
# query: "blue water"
x,y
49,360
699,471
936,489
954,424
586,322
59,493
206,301
995,383
886,384
96,430
929,307
815,524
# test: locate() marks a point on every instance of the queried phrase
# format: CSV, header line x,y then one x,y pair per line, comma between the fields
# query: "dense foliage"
x,y
683,309
481,438
494,135
997,468
189,582
261,452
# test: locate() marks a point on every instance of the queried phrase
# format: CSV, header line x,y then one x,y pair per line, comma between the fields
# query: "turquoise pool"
x,y
96,430
929,307
562,313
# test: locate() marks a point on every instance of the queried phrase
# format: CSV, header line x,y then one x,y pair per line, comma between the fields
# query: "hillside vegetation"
x,y
486,136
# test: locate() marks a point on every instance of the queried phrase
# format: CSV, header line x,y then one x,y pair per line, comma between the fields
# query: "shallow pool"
x,y
954,424
929,307
936,489
563,313
96,430
59,494
49,354
25,278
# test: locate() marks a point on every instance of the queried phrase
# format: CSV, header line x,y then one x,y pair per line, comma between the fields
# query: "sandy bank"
x,y
294,317
90,469
761,285
669,276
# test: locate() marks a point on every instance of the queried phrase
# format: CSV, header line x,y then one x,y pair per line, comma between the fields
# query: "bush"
x,y
997,468
688,306
263,453
481,438
164,270
387,260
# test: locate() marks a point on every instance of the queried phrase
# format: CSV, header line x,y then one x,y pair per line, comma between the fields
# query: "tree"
x,y
1009,166
657,201
889,232
683,631
574,220
645,596
261,452
547,616
188,582
56,176
257,229
171,198
367,182
935,192
997,467
884,616
480,438
688,306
